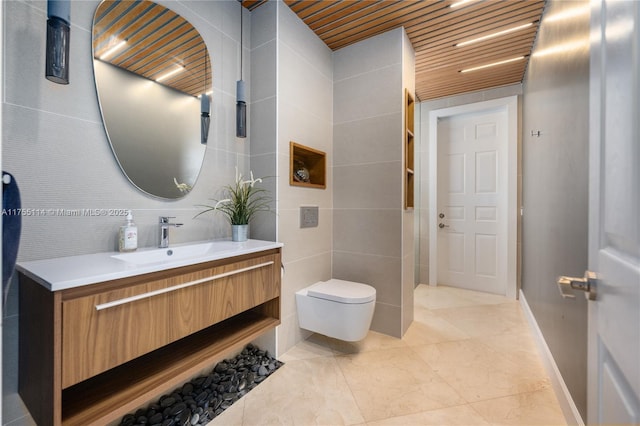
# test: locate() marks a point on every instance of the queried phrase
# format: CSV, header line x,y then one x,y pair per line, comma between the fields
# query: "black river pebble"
x,y
203,398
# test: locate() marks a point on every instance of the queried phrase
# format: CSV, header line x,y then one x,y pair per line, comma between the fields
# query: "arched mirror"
x,y
151,69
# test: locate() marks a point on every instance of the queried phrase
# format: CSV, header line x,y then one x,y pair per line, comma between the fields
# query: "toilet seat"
x,y
342,291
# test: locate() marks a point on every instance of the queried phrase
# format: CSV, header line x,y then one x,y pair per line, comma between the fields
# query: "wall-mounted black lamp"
x,y
241,102
58,32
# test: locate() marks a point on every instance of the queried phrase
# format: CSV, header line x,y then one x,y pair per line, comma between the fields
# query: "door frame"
x,y
510,105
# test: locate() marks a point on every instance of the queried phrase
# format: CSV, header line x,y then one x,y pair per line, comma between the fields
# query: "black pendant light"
x,y
205,106
58,33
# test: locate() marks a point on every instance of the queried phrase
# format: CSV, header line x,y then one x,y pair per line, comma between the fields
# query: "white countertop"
x,y
74,271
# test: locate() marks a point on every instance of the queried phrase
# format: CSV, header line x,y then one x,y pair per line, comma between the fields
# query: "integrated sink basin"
x,y
192,251
74,271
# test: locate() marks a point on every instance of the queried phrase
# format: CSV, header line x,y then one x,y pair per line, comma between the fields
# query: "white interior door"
x,y
472,200
614,214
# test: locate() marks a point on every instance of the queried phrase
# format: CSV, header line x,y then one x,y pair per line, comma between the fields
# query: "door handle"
x,y
588,284
442,225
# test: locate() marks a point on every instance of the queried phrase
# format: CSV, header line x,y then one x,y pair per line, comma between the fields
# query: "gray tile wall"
x,y
408,218
555,191
304,115
368,89
263,108
54,144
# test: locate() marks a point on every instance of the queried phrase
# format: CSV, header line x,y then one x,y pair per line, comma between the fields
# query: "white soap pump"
x,y
128,240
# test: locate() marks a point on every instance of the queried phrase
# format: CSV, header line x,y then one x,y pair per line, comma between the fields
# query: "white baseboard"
x,y
569,409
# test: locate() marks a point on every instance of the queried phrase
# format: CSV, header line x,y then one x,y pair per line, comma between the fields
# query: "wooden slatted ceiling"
x,y
158,41
434,28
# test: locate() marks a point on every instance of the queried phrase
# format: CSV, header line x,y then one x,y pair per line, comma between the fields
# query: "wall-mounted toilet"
x,y
336,308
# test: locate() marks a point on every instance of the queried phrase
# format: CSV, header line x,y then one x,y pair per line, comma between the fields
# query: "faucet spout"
x,y
164,230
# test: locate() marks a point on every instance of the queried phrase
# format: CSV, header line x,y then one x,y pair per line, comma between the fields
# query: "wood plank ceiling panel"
x,y
434,28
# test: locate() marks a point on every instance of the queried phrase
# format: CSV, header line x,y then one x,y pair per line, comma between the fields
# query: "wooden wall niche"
x,y
409,151
313,160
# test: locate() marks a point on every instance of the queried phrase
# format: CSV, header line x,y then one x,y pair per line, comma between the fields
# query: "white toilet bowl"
x,y
336,308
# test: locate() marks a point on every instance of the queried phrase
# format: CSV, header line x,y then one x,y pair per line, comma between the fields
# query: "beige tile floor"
x,y
467,359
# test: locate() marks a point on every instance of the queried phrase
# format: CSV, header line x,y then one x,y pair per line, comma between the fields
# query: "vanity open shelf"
x,y
90,354
133,384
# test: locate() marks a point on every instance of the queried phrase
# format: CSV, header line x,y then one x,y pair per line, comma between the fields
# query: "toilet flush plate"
x,y
308,216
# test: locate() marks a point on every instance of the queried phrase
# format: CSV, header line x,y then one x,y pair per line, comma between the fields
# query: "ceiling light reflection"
x,y
566,14
562,48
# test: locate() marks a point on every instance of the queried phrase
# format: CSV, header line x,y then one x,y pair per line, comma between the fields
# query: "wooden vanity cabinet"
x,y
90,354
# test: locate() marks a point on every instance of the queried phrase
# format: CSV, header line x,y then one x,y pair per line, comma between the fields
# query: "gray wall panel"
x,y
554,226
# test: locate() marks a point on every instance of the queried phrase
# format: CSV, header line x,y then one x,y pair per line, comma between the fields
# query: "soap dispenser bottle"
x,y
128,240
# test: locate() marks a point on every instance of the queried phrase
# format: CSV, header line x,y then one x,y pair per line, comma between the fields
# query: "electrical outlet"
x,y
308,216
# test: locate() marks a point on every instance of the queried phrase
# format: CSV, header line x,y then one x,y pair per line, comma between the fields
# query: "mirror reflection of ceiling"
x,y
434,28
166,42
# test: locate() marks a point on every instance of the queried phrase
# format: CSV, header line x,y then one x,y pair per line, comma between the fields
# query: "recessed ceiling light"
x,y
170,73
496,34
493,64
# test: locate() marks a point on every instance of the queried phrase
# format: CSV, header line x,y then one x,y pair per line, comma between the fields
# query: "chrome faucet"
x,y
164,230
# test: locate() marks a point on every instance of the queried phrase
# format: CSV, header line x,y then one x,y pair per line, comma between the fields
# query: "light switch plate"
x,y
308,216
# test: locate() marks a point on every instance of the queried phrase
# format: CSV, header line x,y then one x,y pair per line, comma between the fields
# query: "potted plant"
x,y
242,201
